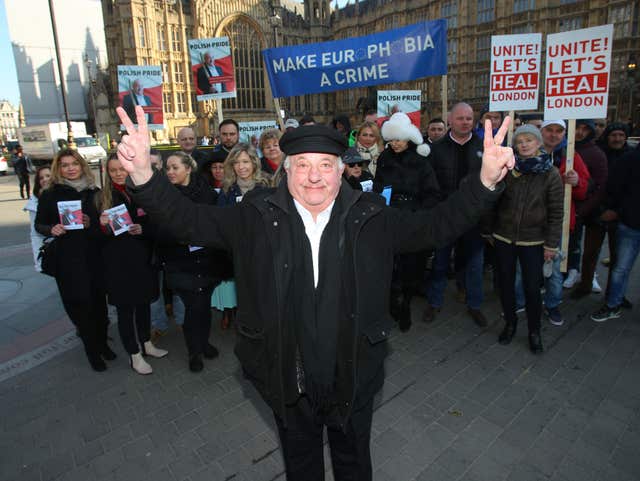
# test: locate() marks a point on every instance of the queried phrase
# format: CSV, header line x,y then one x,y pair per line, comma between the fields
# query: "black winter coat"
x,y
185,266
452,162
414,184
129,277
79,264
258,231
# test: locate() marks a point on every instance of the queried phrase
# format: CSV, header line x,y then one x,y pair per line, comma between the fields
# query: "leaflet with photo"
x,y
119,219
70,212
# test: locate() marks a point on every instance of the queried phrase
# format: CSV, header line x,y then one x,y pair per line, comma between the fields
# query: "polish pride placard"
x,y
515,72
577,73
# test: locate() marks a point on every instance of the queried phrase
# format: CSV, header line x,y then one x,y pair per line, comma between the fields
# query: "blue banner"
x,y
398,55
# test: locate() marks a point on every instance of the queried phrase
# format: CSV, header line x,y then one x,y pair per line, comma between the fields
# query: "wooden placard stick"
x,y
276,103
568,189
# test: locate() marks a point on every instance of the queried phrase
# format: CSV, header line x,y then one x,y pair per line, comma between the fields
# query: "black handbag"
x,y
47,256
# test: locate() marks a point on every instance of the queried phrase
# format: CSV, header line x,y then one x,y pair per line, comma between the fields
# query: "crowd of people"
x,y
151,277
179,257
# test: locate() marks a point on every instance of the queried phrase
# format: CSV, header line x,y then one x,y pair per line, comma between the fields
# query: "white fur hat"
x,y
399,127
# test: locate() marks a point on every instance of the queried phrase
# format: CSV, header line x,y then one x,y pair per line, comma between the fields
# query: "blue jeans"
x,y
553,285
159,317
472,248
627,247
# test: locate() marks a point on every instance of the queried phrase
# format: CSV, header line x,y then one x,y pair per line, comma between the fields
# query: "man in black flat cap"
x,y
313,316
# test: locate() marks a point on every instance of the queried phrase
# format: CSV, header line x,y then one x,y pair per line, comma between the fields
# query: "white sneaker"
x,y
139,365
572,278
595,287
153,351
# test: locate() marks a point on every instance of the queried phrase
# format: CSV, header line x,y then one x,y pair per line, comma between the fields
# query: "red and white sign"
x,y
577,78
515,72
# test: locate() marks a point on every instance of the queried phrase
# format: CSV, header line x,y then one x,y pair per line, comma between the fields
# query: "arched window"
x,y
247,62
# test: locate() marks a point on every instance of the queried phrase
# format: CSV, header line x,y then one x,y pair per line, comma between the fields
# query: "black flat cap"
x,y
313,138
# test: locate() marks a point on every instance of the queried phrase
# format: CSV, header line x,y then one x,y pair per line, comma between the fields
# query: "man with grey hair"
x,y
313,261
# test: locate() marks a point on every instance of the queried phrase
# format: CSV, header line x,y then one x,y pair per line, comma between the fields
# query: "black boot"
x,y
210,351
535,342
506,336
107,353
195,363
97,363
396,304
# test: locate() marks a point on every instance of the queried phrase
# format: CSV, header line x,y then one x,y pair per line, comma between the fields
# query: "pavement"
x,y
455,404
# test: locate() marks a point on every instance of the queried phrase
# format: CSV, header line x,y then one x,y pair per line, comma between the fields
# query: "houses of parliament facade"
x,y
155,32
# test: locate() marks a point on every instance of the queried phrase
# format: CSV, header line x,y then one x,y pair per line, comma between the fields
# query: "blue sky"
x,y
8,79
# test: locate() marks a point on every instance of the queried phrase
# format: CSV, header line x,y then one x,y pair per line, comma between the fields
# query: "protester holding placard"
x,y
78,253
589,210
403,165
455,157
526,227
369,144
130,281
553,139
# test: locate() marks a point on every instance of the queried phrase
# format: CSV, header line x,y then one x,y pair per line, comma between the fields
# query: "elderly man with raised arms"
x,y
313,261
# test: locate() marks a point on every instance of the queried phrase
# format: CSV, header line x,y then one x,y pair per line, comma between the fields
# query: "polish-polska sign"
x,y
398,55
515,72
577,77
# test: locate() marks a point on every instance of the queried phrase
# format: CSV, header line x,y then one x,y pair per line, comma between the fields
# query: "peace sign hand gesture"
x,y
496,159
133,150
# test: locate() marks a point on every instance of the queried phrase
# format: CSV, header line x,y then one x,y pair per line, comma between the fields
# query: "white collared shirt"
x,y
314,230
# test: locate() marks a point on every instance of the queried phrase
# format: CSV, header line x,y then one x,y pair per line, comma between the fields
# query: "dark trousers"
x,y
575,247
593,238
302,450
23,179
167,294
134,320
531,260
197,319
92,321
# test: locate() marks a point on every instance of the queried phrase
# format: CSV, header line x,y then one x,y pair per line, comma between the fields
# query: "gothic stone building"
x,y
155,32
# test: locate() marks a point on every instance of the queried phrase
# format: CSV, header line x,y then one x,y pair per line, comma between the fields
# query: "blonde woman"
x,y
242,173
78,252
369,144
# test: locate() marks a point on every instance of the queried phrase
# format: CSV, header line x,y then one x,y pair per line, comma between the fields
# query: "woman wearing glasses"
x,y
355,172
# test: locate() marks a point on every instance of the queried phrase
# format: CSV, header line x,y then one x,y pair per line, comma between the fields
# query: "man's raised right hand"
x,y
133,150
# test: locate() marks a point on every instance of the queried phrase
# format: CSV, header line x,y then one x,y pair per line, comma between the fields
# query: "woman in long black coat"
x,y
131,282
190,270
403,165
78,259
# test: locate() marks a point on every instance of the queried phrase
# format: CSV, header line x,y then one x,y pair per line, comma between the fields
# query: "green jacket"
x,y
530,210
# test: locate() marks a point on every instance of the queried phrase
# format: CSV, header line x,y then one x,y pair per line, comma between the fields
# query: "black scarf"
x,y
534,165
317,309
